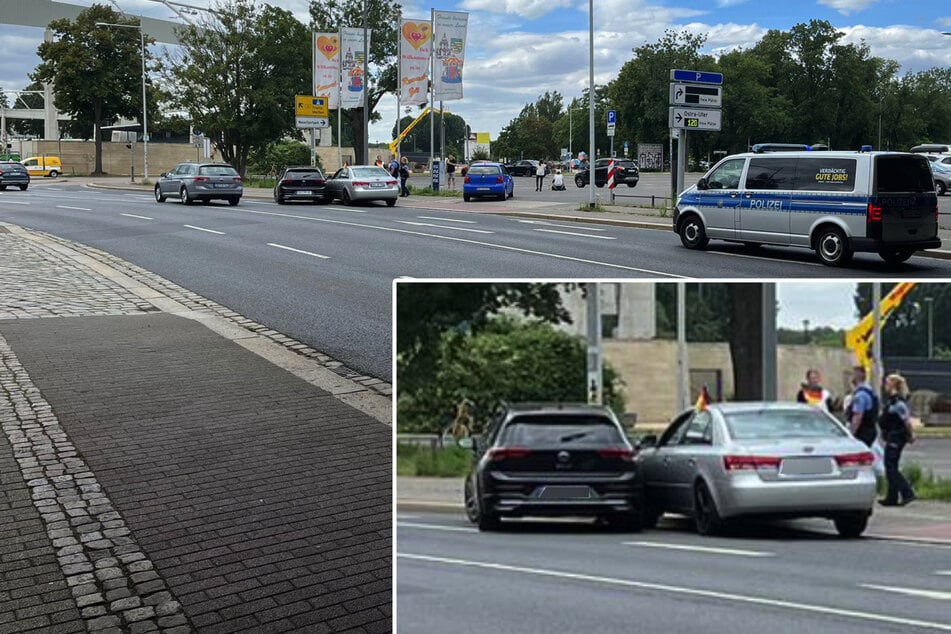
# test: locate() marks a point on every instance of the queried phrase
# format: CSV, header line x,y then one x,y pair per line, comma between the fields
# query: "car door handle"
x,y
691,462
748,196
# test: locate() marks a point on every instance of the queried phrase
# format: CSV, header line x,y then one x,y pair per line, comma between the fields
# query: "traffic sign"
x,y
612,116
696,76
310,106
312,122
694,119
694,95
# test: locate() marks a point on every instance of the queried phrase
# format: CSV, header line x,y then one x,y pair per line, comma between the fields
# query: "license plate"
x,y
806,466
377,185
484,189
911,213
222,185
565,492
305,193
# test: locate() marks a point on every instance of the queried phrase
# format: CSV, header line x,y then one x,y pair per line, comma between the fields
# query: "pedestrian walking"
x,y
451,172
379,161
540,176
895,427
812,392
404,176
862,412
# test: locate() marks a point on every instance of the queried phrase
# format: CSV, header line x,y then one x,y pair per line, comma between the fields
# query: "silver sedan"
x,y
363,182
782,460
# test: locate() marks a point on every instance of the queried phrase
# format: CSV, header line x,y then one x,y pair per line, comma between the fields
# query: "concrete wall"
x,y
648,369
79,156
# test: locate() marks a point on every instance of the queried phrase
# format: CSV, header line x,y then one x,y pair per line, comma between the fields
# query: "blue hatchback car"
x,y
488,179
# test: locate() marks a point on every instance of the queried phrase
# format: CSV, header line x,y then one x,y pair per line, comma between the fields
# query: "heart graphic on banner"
x,y
416,34
328,46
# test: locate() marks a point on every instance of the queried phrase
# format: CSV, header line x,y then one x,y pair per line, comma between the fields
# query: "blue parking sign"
x,y
612,116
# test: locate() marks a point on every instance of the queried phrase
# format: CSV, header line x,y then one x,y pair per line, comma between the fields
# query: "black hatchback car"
x,y
13,174
625,173
301,183
551,461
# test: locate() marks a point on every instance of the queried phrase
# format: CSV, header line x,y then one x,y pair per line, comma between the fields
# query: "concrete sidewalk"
x,y
165,465
924,521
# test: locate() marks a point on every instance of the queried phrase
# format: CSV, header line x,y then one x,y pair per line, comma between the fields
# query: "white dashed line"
x,y
137,216
429,224
316,255
551,224
76,208
914,592
703,549
468,222
220,233
15,202
574,233
438,527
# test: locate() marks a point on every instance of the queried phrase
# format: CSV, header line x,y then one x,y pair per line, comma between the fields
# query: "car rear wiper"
x,y
574,436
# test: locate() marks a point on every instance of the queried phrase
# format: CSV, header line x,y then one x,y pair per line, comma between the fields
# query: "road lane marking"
x,y
681,590
137,216
438,527
468,222
552,224
15,202
76,208
914,592
703,549
575,233
401,516
943,572
491,245
429,224
316,255
220,233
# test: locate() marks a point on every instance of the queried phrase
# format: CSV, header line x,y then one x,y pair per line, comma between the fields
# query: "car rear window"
x,y
776,424
902,174
370,171
217,170
303,174
557,431
485,169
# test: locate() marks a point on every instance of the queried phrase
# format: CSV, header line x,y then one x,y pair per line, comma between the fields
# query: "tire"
x,y
632,185
159,196
940,188
512,193
327,199
183,194
280,200
485,521
627,522
851,525
345,197
54,174
233,201
3,188
390,202
650,515
466,197
23,188
896,256
503,195
579,181
831,246
752,245
471,503
692,233
706,516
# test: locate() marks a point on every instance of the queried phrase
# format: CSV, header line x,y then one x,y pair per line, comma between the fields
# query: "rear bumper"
x,y
484,190
205,193
874,246
747,494
381,193
520,497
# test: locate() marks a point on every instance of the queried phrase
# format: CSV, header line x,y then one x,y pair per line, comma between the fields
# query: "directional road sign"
x,y
694,95
694,119
696,76
312,122
310,106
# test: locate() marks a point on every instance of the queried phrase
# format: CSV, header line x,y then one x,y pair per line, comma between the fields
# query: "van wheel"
x,y
940,188
896,256
832,247
692,233
53,173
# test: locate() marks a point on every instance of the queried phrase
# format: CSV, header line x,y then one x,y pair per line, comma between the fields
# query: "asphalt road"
x,y
322,273
573,577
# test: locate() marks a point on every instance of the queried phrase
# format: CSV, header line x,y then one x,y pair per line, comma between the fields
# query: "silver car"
x,y
200,182
363,182
782,460
942,177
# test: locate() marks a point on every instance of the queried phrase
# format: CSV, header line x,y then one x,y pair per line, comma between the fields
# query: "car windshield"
x,y
370,172
778,423
217,170
485,169
556,431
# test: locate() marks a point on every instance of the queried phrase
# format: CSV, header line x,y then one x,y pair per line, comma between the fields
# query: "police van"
x,y
834,202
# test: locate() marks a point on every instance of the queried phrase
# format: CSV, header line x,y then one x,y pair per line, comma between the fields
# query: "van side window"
x,y
727,176
776,173
826,174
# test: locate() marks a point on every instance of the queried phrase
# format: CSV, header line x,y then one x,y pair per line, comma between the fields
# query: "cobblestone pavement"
x,y
155,476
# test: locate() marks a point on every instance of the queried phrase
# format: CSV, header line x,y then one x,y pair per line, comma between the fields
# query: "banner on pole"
x,y
860,338
327,67
351,67
416,45
449,39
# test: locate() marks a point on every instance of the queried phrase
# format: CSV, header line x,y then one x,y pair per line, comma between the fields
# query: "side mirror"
x,y
647,441
702,183
163,174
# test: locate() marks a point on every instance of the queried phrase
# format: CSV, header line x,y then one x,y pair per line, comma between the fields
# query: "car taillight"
x,y
622,453
503,453
499,179
750,463
361,183
467,180
198,179
861,459
874,213
284,181
393,182
237,179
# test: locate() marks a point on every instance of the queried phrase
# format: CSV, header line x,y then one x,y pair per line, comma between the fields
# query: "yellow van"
x,y
43,166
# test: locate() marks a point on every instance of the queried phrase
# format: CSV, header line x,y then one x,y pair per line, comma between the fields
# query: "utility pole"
x,y
593,319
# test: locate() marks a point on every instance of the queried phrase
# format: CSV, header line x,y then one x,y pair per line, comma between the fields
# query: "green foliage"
x,y
480,155
237,74
531,134
926,484
509,359
419,460
97,71
274,157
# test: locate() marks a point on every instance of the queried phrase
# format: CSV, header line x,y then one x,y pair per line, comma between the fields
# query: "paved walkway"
x,y
921,521
166,466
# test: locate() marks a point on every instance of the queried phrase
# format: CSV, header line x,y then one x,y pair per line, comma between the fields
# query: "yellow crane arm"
x,y
395,143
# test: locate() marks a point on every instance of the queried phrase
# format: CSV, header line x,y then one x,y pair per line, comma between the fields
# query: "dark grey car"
x,y
200,182
13,174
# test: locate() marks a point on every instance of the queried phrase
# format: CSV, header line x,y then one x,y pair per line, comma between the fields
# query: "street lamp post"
x,y
145,122
929,302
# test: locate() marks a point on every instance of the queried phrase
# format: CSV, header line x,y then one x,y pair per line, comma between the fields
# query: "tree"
x,y
96,71
383,19
418,138
237,73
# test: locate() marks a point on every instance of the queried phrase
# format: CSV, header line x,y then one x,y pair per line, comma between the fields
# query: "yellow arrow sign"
x,y
311,106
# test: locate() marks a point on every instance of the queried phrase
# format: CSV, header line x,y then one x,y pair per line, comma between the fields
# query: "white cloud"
x,y
730,3
530,9
847,6
943,21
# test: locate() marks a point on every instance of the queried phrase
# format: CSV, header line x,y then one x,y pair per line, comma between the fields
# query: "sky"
x,y
822,303
519,49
